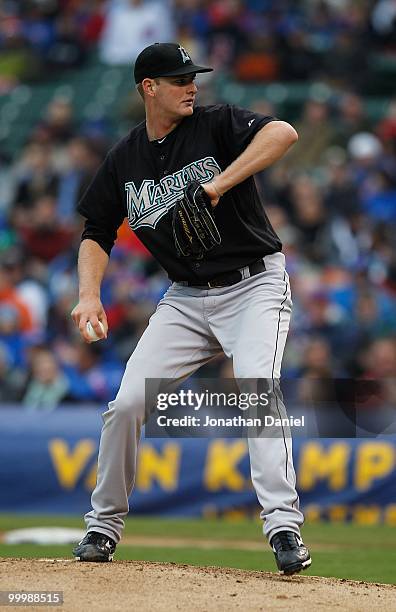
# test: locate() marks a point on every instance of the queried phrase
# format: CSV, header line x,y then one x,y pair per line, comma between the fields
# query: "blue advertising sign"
x,y
48,465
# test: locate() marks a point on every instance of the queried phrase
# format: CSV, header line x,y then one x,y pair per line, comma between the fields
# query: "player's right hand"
x,y
90,309
212,193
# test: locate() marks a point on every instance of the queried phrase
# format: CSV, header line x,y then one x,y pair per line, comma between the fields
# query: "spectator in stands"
x,y
12,338
83,156
47,386
18,60
42,234
317,359
28,289
319,315
366,158
286,231
90,378
341,193
378,362
386,130
380,203
12,379
37,29
383,20
93,20
309,216
68,49
227,37
258,62
315,384
37,178
375,316
351,118
16,321
134,320
347,65
11,300
346,240
132,25
299,60
62,295
315,134
58,126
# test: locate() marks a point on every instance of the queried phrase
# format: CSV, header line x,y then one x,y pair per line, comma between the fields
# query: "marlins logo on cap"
x,y
184,54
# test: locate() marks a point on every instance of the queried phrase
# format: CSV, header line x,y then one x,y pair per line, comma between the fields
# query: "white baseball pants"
x,y
249,321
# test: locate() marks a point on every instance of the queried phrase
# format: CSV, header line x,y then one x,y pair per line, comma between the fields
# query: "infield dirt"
x,y
131,585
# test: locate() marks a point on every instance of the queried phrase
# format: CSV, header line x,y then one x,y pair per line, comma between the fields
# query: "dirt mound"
x,y
126,585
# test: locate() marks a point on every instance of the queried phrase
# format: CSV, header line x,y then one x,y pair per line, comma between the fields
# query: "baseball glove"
x,y
194,228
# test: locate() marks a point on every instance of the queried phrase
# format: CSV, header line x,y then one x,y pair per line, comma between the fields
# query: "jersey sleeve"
x,y
102,207
235,127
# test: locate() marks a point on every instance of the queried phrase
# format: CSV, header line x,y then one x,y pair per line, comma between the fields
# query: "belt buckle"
x,y
215,284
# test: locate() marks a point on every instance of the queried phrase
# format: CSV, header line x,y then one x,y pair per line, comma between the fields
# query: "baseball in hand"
x,y
93,336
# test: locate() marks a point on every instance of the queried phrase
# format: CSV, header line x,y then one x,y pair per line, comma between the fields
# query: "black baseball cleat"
x,y
291,554
95,547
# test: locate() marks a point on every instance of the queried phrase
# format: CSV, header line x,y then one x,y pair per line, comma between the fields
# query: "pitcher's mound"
x,y
136,585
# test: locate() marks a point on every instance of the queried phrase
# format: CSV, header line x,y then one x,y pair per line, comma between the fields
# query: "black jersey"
x,y
142,180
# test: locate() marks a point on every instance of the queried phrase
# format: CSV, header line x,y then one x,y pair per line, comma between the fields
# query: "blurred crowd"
x,y
332,199
255,40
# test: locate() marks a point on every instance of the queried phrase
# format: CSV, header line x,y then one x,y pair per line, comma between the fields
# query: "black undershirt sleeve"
x,y
102,207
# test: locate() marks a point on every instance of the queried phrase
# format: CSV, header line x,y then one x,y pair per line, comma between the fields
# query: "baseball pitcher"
x,y
184,179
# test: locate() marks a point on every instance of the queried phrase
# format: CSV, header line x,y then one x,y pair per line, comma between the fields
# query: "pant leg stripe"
x,y
273,368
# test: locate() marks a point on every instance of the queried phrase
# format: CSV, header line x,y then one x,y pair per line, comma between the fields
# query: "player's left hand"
x,y
193,223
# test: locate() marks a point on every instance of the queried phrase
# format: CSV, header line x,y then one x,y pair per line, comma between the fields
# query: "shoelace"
x,y
99,539
285,540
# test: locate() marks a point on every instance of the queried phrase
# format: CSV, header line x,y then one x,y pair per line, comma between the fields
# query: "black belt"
x,y
230,278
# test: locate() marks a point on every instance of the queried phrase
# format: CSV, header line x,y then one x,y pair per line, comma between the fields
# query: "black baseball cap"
x,y
164,59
